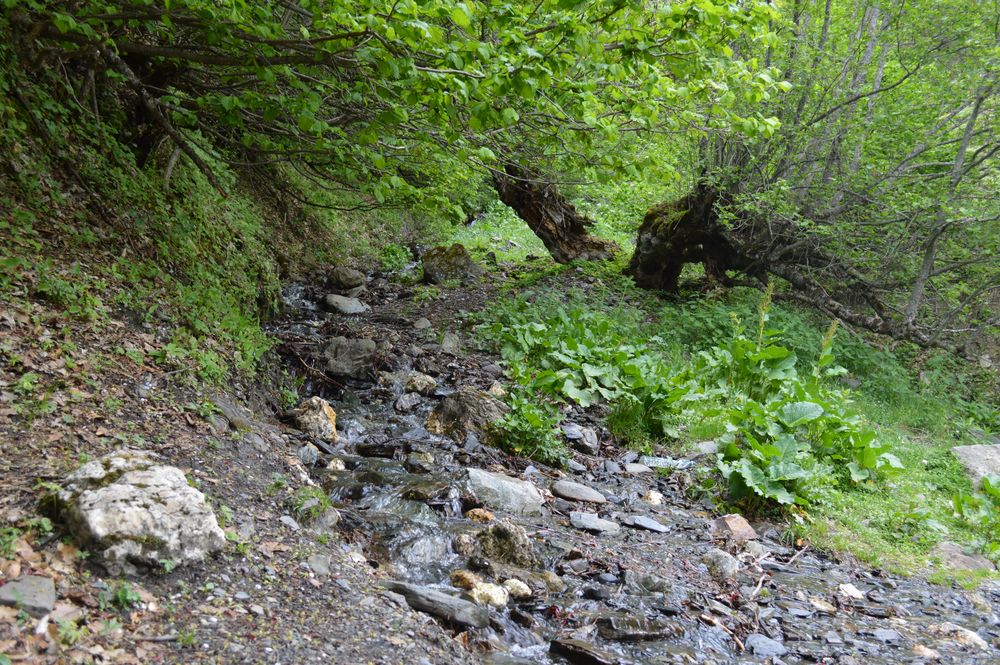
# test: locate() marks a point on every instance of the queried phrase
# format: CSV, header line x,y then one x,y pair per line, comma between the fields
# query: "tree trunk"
x,y
683,231
553,219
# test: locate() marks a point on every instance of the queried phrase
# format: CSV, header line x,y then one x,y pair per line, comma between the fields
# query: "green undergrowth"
x,y
89,232
814,423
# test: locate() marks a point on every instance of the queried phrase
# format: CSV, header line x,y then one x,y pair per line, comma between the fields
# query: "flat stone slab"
x,y
34,594
451,609
567,489
643,522
979,460
593,523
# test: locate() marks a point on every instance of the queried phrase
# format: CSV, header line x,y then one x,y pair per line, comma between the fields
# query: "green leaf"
x,y
798,413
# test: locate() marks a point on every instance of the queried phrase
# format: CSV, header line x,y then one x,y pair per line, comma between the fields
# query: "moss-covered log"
x,y
680,232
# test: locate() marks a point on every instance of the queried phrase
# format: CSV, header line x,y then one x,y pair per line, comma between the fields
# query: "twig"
x,y
760,584
712,621
796,556
169,637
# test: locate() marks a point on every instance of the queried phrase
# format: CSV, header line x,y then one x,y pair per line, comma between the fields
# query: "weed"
x,y
310,502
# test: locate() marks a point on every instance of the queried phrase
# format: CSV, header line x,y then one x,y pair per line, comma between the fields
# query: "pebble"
x,y
290,522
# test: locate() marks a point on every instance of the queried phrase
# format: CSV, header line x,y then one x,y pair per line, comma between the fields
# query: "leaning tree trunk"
x,y
679,232
553,219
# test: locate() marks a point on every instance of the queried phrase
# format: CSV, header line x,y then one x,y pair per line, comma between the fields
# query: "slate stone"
x,y
451,609
34,594
643,522
567,489
763,646
591,522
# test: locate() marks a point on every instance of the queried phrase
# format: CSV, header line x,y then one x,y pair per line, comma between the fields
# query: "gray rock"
x,y
34,594
575,466
954,557
421,324
501,492
721,565
130,509
406,402
493,369
733,526
886,635
464,411
344,305
442,264
417,382
635,469
353,358
579,652
665,462
326,522
308,454
507,542
763,646
630,628
567,489
643,522
591,522
344,278
451,344
979,461
583,439
439,604
644,584
290,522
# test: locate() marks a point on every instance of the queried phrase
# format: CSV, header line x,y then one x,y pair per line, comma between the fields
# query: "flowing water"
x,y
635,596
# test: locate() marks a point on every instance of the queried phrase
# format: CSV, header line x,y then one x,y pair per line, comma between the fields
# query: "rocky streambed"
x,y
607,561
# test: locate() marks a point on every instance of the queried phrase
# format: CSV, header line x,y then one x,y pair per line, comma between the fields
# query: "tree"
x,y
876,199
381,99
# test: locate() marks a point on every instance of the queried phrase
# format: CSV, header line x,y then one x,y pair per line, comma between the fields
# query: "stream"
x,y
645,580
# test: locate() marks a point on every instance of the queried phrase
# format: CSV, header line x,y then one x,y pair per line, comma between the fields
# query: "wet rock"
x,y
442,264
733,527
721,565
567,489
485,593
344,278
421,384
979,461
34,594
517,589
407,402
419,462
501,492
627,628
131,509
591,522
352,358
466,411
508,542
308,454
579,652
665,462
763,646
344,305
480,515
383,449
464,579
643,522
451,344
954,557
317,419
957,634
453,610
644,584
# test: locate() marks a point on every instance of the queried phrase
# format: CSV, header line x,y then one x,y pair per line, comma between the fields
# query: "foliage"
x,y
786,433
982,510
530,429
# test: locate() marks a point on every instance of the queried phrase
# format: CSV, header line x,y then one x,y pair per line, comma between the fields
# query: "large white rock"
x,y
133,510
502,492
